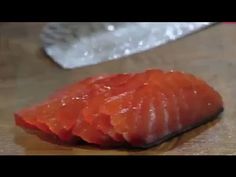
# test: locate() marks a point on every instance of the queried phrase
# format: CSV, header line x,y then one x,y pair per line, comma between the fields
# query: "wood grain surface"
x,y
27,76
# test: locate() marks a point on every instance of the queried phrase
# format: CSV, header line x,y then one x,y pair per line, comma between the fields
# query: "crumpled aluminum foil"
x,y
73,45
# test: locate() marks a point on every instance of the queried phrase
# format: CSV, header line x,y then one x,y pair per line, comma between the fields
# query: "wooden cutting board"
x,y
27,76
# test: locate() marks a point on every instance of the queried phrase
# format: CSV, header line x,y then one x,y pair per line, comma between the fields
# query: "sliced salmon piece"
x,y
91,134
47,118
183,105
104,89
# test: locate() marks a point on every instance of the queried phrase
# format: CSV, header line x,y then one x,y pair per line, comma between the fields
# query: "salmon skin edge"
x,y
180,132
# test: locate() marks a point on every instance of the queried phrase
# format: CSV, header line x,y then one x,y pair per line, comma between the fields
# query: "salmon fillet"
x,y
136,109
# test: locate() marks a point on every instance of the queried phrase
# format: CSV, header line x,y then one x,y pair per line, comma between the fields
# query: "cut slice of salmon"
x,y
181,99
141,109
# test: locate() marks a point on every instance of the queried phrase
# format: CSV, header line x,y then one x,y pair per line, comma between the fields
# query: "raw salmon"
x,y
138,109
